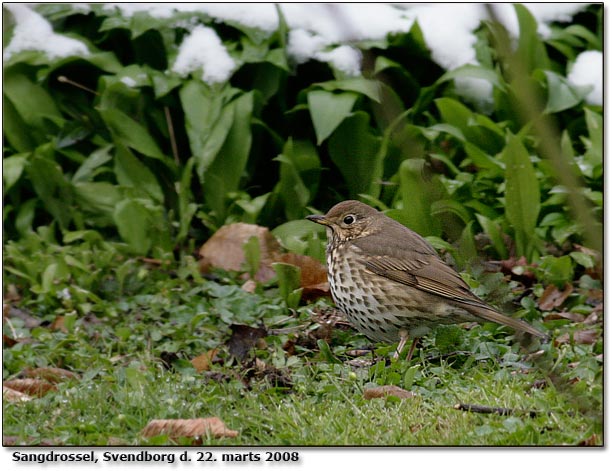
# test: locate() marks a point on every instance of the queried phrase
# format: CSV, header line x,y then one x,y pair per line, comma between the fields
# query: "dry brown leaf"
x,y
552,297
593,440
30,386
28,319
583,337
53,375
12,293
249,286
572,316
387,390
58,324
177,428
8,341
313,278
202,362
225,249
12,395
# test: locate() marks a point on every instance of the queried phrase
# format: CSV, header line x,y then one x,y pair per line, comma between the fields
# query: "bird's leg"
x,y
412,347
403,340
403,334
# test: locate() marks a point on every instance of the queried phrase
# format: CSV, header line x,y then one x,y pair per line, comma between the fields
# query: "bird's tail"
x,y
517,324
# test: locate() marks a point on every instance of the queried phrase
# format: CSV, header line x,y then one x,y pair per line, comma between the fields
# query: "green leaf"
x,y
531,49
132,220
493,230
473,71
328,110
224,173
54,190
367,87
288,283
88,168
299,176
208,120
99,199
417,194
130,133
131,172
17,132
12,169
561,95
187,207
522,194
355,151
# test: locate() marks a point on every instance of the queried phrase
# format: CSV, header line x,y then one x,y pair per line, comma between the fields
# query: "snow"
x,y
33,33
203,50
588,70
325,32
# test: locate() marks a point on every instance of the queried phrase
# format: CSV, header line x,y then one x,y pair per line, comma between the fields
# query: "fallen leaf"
x,y
244,338
58,324
8,341
572,316
225,249
29,321
387,390
12,395
30,386
176,428
12,293
202,362
313,274
581,337
593,440
552,297
249,286
53,375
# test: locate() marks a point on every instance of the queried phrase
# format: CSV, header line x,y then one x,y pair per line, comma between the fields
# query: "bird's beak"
x,y
318,219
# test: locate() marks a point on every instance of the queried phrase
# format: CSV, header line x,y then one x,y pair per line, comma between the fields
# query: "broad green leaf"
x,y
17,132
561,95
133,223
208,120
130,133
32,103
133,173
355,151
299,172
88,168
473,71
187,206
367,87
288,283
328,110
475,128
12,169
493,230
54,190
417,194
99,199
223,175
522,194
531,49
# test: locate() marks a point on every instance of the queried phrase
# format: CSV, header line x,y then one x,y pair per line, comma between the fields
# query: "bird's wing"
x,y
429,273
426,272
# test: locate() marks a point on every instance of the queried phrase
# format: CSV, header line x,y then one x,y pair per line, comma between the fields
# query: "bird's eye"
x,y
350,219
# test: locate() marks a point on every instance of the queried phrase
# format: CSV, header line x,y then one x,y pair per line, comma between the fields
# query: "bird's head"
x,y
349,220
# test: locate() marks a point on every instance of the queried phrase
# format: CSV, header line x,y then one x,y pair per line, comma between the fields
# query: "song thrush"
x,y
391,283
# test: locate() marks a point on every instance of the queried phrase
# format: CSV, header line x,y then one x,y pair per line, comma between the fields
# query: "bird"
x,y
391,283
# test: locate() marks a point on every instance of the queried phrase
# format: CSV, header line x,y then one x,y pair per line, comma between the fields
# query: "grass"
x,y
132,355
